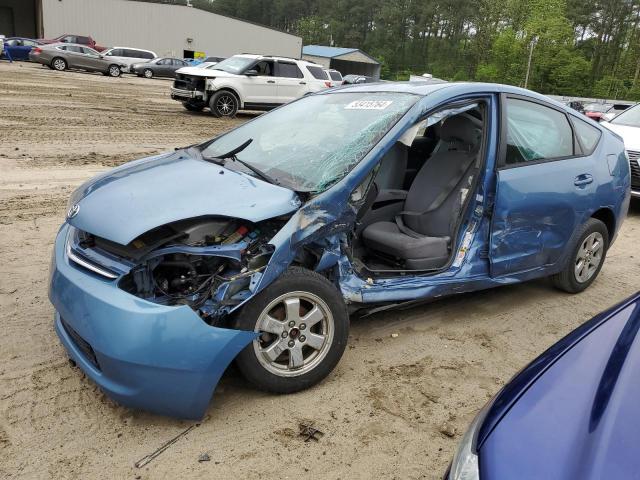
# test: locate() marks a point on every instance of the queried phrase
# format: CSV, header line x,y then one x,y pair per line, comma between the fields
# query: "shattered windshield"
x,y
310,144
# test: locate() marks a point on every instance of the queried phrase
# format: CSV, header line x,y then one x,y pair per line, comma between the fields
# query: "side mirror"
x,y
251,73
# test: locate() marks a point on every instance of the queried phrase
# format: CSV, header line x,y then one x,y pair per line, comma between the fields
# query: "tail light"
x,y
37,50
327,84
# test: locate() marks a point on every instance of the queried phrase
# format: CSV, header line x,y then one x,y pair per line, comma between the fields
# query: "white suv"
x,y
246,82
128,56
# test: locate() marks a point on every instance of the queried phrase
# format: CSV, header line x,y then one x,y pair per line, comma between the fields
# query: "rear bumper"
x,y
180,94
143,355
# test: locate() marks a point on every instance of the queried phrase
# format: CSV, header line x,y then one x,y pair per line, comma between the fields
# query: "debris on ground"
x,y
310,433
147,459
448,430
395,335
204,457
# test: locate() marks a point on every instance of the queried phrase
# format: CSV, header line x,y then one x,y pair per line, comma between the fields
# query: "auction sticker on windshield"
x,y
368,105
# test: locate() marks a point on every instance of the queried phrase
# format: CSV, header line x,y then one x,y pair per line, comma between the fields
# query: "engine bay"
x,y
207,264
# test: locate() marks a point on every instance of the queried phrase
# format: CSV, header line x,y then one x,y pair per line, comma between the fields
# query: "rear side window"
x,y
84,40
335,75
536,132
318,73
147,55
587,134
289,70
73,48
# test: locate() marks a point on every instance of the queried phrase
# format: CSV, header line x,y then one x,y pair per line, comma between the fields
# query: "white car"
x,y
128,56
627,125
247,82
335,77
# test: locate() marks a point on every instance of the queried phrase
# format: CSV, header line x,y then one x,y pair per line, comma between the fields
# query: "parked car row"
x,y
598,111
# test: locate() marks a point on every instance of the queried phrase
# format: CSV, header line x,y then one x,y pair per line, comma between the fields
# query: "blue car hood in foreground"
x,y
580,416
128,201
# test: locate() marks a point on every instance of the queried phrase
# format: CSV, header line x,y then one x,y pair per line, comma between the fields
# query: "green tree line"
x,y
577,47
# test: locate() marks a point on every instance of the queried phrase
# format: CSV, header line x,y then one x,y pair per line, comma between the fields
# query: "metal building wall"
x,y
163,28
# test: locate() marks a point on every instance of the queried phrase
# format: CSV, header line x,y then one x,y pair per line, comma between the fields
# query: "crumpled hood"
x,y
580,418
126,202
206,72
630,135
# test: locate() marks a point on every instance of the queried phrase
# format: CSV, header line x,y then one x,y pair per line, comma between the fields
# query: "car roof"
x,y
456,88
133,48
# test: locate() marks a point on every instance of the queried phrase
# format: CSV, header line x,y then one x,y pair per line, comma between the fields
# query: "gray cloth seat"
x,y
393,168
421,235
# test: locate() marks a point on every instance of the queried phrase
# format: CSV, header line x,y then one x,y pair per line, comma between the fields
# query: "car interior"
x,y
412,209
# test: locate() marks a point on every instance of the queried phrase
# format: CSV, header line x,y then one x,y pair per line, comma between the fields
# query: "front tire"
x,y
148,73
224,104
59,64
587,257
114,71
303,325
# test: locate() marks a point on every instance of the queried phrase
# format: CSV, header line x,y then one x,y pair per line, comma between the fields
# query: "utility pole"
x,y
531,45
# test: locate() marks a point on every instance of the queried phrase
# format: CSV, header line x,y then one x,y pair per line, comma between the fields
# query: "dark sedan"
x,y
18,48
158,67
572,413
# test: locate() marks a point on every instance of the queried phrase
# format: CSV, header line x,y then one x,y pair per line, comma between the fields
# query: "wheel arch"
x,y
231,90
606,216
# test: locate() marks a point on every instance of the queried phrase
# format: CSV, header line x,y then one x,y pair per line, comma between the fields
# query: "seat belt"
x,y
436,203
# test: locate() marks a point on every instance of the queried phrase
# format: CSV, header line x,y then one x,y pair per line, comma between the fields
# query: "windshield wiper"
x,y
233,155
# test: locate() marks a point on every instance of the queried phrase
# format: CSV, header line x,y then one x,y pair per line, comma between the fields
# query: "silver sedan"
x,y
62,56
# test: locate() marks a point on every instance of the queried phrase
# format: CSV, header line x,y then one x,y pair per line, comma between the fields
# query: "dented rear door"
x,y
544,185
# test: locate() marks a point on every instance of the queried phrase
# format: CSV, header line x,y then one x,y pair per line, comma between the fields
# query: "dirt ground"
x,y
396,405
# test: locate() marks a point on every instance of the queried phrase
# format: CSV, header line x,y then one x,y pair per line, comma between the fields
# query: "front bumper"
x,y
143,355
181,94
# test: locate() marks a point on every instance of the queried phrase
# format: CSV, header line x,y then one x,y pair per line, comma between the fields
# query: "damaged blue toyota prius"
x,y
256,246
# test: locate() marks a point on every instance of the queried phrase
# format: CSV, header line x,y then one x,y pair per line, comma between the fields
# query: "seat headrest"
x,y
461,129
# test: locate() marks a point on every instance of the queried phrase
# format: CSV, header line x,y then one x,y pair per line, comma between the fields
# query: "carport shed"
x,y
345,60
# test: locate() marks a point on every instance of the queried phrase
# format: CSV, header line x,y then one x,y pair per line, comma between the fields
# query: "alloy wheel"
x,y
148,73
59,64
296,331
226,105
114,71
589,257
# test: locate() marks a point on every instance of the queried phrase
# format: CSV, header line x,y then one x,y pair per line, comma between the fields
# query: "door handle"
x,y
584,179
303,83
271,81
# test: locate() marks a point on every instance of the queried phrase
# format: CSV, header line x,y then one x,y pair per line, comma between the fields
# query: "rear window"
x,y
318,73
335,75
289,70
588,135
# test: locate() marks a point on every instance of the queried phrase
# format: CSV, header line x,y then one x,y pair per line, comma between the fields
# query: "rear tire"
x,y
224,104
304,328
114,71
59,64
147,73
586,258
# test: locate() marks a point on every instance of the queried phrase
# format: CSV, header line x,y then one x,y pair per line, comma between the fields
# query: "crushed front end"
x,y
150,321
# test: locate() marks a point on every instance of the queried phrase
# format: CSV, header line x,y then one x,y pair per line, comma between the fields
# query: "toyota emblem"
x,y
73,211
